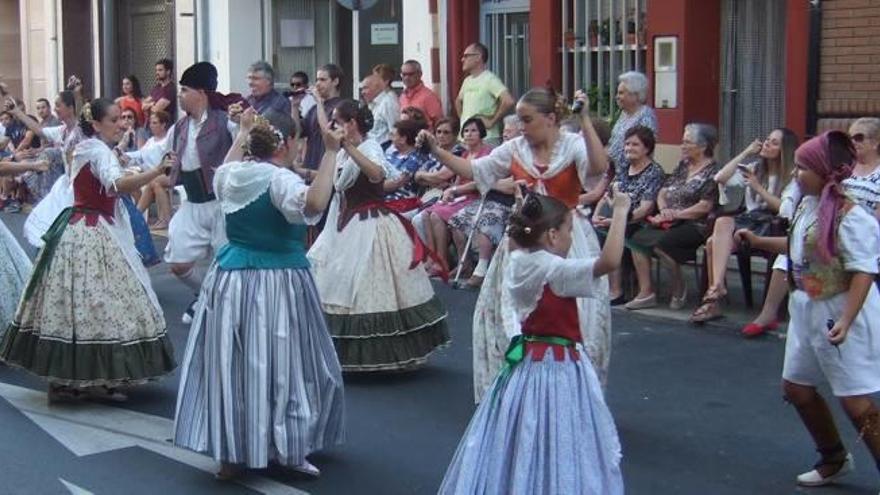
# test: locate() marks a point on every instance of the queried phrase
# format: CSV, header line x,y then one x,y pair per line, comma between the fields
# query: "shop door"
x,y
752,72
145,30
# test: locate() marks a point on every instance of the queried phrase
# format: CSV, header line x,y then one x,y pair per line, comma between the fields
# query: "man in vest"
x,y
199,141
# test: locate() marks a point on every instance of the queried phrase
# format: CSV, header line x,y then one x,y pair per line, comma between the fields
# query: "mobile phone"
x,y
745,168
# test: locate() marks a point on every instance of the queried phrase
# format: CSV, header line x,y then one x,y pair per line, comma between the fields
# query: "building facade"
x,y
745,66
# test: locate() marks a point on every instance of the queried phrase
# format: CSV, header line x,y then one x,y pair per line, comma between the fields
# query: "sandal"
x,y
709,308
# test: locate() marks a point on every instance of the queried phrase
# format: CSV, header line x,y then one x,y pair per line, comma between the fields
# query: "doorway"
x,y
752,72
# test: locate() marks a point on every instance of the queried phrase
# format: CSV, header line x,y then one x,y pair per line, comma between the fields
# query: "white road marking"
x,y
87,428
74,489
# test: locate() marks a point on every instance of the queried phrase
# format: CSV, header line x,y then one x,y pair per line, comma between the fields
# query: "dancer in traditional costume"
x,y
551,162
261,382
52,196
199,141
15,268
832,261
544,427
89,318
378,301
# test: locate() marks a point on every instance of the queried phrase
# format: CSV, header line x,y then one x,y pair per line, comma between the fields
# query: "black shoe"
x,y
617,301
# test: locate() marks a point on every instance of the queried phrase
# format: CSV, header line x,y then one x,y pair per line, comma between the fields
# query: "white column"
x,y
234,41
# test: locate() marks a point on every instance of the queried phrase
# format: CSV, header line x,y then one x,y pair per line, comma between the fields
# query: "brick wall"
x,y
849,84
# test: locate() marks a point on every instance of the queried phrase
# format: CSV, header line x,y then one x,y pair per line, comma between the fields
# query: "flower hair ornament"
x,y
263,123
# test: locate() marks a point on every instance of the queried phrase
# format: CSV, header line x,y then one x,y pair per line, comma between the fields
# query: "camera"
x,y
577,107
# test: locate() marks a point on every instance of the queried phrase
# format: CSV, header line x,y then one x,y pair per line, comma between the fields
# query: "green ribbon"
x,y
516,352
44,260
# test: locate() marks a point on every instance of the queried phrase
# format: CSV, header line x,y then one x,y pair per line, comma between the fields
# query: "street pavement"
x,y
699,412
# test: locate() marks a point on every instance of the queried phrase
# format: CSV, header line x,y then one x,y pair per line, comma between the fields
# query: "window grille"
x,y
601,39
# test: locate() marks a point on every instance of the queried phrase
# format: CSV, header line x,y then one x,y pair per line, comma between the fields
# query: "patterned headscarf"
x,y
830,156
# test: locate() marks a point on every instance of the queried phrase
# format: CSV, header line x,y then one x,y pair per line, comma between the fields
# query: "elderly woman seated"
x,y
763,181
455,198
402,192
486,220
675,233
640,177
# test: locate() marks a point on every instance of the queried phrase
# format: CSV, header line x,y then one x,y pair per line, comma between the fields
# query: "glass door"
x,y
505,31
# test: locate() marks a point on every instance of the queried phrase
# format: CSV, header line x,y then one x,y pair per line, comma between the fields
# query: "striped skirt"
x,y
543,429
260,380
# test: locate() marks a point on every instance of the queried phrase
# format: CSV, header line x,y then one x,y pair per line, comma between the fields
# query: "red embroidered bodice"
x,y
90,200
554,316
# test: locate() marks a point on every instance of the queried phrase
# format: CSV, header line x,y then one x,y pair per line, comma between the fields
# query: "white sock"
x,y
482,268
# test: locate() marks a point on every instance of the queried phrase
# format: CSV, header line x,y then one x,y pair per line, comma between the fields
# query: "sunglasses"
x,y
297,85
858,138
466,55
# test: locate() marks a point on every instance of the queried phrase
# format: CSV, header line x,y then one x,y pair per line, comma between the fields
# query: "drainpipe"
x,y
108,48
813,66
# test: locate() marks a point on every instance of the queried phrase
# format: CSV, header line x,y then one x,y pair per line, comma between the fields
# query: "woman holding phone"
x,y
763,180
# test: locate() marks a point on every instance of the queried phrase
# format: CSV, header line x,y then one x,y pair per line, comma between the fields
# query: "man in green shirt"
x,y
482,93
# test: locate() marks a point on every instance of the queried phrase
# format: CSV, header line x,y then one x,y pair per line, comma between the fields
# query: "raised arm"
x,y
460,166
727,171
596,152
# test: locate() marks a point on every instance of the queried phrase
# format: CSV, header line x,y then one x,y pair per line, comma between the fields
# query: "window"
x,y
505,31
601,39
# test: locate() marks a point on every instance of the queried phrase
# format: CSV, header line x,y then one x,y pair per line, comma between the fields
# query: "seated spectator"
x,y
135,136
45,115
512,128
763,181
460,194
402,191
132,98
863,186
640,177
159,189
675,233
415,114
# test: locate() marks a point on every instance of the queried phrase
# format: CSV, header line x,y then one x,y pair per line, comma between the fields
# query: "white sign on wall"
x,y
383,34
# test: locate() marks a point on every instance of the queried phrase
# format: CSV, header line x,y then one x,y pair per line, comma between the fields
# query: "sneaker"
x,y
189,314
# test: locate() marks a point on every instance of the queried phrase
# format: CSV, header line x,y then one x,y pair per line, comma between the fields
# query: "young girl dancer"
x,y
544,427
832,258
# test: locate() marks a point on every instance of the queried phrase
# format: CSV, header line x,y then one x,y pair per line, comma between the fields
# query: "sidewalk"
x,y
736,314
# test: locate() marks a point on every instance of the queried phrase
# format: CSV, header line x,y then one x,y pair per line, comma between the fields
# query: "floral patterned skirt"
x,y
492,221
85,319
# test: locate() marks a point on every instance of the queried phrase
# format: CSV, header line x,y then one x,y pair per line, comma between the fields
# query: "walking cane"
x,y
456,284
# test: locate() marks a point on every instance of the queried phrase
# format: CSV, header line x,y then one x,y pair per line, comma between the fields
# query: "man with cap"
x,y
199,140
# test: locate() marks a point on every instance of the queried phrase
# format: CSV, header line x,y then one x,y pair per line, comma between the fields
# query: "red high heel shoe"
x,y
755,329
